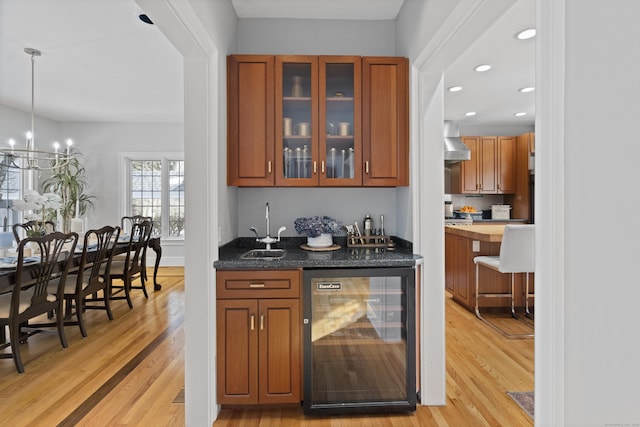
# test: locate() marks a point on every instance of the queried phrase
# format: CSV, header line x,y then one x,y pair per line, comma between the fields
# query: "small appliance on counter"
x,y
500,212
448,209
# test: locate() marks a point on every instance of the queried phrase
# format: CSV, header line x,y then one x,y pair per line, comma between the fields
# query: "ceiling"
x,y
101,63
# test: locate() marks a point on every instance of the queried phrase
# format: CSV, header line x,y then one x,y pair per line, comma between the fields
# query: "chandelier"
x,y
30,157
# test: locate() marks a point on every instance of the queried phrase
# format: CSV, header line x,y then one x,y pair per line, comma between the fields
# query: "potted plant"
x,y
318,229
42,206
70,182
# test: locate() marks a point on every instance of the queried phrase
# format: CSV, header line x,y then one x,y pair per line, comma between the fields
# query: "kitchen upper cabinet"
x,y
323,107
522,200
250,113
385,121
491,169
259,337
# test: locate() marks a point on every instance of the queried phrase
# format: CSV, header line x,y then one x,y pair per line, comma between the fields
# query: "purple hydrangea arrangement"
x,y
317,225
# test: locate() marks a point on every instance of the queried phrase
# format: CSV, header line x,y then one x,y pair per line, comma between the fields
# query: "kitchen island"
x,y
462,244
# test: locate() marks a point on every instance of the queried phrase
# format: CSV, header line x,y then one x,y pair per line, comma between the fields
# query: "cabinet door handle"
x,y
256,285
366,167
262,322
322,166
253,322
315,166
269,166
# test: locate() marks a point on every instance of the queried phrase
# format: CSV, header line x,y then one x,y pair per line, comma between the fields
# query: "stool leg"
x,y
513,296
526,296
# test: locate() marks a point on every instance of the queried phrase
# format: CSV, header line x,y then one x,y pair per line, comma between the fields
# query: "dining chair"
x,y
82,287
517,255
131,267
126,223
26,227
31,297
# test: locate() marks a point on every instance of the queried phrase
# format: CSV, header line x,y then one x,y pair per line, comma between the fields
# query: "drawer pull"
x,y
256,285
269,166
253,322
366,167
262,322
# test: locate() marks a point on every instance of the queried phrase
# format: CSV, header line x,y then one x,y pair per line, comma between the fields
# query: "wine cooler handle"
x,y
253,322
262,322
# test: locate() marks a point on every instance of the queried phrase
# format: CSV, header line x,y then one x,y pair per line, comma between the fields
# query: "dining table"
x,y
8,264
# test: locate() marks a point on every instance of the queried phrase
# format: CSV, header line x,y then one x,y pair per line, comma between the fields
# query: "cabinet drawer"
x,y
258,284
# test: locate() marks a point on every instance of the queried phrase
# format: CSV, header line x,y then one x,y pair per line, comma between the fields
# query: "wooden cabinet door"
x,y
340,121
250,116
296,92
462,276
489,165
385,132
449,256
470,170
507,164
280,364
237,341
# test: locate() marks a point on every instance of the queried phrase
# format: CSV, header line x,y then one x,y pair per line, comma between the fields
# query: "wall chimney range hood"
x,y
454,149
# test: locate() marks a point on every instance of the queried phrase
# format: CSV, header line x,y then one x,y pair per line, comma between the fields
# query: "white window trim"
x,y
124,184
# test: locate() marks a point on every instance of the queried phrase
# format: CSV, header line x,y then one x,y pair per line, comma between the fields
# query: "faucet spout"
x,y
267,218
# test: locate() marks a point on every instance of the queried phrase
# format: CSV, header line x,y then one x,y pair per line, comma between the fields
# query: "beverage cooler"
x,y
359,340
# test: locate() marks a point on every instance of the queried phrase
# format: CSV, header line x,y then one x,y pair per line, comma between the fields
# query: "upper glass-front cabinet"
x,y
318,111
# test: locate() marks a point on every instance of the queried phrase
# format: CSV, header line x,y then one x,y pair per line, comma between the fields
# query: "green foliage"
x,y
70,183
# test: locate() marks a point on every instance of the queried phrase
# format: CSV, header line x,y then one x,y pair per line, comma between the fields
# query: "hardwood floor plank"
x,y
143,349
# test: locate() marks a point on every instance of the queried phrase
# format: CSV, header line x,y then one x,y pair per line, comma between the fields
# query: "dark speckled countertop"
x,y
296,257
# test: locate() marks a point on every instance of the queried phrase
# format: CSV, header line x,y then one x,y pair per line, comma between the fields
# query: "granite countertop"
x,y
296,257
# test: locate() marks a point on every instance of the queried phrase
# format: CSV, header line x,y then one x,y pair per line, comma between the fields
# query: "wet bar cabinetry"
x,y
317,121
259,337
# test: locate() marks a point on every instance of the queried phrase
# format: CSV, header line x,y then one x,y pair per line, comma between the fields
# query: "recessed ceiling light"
x,y
527,89
520,114
455,89
144,18
483,67
470,113
526,34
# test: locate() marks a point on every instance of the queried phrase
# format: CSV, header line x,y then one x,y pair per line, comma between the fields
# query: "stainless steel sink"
x,y
264,254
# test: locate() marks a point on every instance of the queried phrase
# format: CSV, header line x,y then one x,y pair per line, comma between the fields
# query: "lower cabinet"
x,y
258,337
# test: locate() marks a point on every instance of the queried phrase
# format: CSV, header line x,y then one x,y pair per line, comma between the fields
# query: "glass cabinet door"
x,y
296,120
340,124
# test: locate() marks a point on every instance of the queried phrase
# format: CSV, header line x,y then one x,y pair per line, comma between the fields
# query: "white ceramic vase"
x,y
322,241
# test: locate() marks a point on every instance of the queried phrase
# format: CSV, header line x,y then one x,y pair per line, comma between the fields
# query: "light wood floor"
x,y
129,372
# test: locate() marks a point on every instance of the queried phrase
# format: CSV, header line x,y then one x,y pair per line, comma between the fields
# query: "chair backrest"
x,y
97,255
55,257
26,227
126,222
138,240
517,250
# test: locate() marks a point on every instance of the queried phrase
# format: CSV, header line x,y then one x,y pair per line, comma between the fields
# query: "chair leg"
x,y
144,287
80,315
60,322
14,333
127,290
107,301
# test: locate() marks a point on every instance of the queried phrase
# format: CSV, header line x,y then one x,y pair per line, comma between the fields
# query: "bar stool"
x,y
517,255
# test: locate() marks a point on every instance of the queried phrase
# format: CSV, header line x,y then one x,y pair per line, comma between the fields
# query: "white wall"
x,y
101,145
601,289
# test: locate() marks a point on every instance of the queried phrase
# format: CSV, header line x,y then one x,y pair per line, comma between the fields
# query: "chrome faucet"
x,y
268,240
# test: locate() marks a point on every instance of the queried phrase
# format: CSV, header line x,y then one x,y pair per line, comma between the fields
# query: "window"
x,y
156,189
10,183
